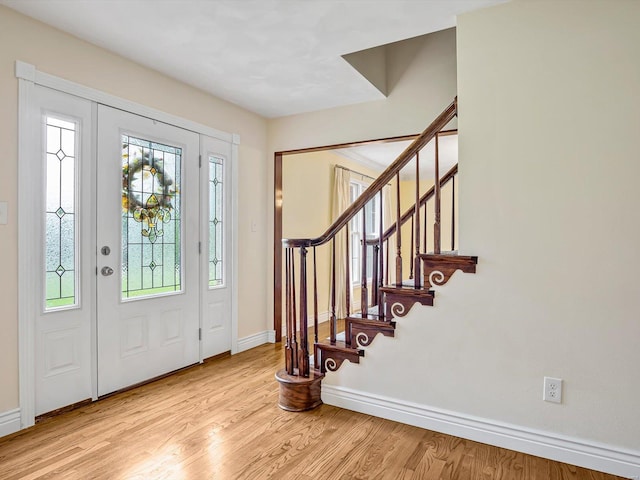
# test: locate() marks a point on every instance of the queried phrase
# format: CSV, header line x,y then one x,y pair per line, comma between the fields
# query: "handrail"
x,y
385,177
424,199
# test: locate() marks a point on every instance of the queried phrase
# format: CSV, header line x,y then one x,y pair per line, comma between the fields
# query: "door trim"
x,y
28,76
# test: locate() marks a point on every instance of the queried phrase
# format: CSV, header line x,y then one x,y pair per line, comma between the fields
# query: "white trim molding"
x,y
235,169
549,445
9,422
26,71
26,245
255,340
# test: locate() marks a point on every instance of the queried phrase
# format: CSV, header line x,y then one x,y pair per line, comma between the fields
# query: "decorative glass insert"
x,y
60,219
151,227
216,221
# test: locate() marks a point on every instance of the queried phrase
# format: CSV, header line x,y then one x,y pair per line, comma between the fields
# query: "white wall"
x,y
54,52
549,201
549,121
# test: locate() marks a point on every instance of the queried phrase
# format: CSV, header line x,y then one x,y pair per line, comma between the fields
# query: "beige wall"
x,y
549,121
60,54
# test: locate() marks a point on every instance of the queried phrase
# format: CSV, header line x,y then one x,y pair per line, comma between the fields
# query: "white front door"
x,y
147,214
126,242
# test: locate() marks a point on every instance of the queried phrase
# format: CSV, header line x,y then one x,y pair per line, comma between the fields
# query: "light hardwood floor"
x,y
220,420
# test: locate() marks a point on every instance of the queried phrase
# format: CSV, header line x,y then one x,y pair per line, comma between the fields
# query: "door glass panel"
x,y
151,228
60,219
216,221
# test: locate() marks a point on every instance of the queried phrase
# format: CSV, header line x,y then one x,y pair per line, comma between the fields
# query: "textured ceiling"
x,y
272,57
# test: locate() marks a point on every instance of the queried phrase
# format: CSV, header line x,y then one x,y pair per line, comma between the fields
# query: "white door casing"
x,y
144,334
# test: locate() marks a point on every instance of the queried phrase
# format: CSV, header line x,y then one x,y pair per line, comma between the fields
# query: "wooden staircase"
x,y
360,332
382,303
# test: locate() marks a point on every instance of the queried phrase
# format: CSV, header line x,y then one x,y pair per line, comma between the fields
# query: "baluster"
x,y
348,272
453,213
398,235
315,298
436,225
381,251
364,292
288,355
303,352
332,325
411,251
386,264
416,258
294,320
315,311
347,330
374,276
424,232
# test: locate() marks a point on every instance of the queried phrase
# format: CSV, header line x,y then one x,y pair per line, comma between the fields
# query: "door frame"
x,y
28,76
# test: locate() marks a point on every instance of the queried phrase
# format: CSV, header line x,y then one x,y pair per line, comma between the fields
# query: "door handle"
x,y
106,271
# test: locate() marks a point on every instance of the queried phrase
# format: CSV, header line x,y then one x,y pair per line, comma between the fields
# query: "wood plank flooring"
x,y
220,420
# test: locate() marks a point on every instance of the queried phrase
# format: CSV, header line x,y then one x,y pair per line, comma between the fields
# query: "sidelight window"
x,y
216,221
61,282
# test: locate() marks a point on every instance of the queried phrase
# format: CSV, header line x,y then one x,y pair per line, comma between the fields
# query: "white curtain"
x,y
341,200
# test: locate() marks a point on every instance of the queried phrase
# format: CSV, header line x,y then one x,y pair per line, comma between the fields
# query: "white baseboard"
x,y
255,340
9,422
574,451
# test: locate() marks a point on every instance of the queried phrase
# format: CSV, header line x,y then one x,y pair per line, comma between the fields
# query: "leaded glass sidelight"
x,y
216,221
60,214
151,227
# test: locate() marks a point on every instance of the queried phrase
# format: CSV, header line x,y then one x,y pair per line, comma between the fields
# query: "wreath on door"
x,y
157,207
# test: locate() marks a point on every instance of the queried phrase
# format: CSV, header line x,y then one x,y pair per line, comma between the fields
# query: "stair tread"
x,y
370,321
449,258
408,290
369,315
339,346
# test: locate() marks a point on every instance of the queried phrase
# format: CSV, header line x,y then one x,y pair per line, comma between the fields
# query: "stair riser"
x,y
330,357
368,328
363,336
438,269
399,305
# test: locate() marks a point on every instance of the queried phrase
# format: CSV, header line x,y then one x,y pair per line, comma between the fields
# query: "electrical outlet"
x,y
552,390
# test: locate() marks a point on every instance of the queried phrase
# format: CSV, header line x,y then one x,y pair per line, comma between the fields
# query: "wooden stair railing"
x,y
379,304
410,214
